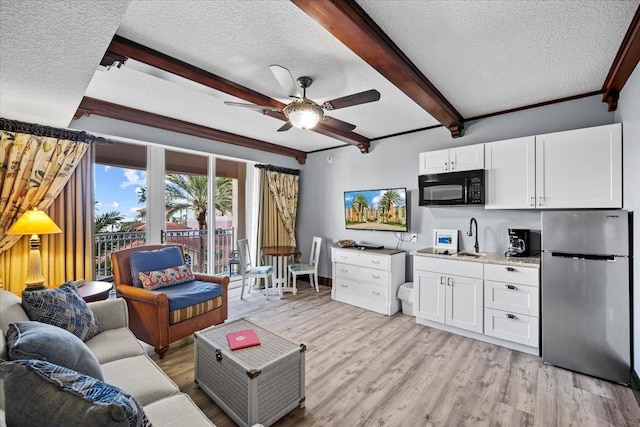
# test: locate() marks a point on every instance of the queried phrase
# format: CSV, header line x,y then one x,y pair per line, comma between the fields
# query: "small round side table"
x,y
95,291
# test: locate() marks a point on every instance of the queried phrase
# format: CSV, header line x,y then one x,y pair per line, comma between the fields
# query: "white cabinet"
x,y
580,168
511,174
368,279
574,169
470,157
512,304
449,292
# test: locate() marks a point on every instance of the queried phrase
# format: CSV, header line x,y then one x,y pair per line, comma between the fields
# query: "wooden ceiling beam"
x,y
350,24
623,65
90,106
121,49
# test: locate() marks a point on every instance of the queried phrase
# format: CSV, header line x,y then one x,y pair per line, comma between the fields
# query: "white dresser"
x,y
368,279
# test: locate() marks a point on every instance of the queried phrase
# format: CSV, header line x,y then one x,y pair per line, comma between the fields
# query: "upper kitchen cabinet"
x,y
574,169
511,174
580,168
470,157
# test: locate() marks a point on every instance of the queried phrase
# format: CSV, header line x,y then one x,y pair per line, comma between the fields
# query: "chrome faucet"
x,y
476,247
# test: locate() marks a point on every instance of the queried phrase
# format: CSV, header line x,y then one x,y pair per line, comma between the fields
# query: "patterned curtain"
x,y
36,163
272,228
284,189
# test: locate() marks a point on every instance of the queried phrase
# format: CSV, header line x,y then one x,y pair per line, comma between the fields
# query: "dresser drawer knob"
x,y
375,276
375,262
511,269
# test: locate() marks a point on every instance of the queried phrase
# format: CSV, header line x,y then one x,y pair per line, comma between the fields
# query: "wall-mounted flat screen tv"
x,y
384,209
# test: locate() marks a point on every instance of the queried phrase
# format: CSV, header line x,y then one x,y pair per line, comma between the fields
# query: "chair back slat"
x,y
244,255
315,251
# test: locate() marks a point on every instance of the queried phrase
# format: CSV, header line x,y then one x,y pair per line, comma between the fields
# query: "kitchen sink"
x,y
471,254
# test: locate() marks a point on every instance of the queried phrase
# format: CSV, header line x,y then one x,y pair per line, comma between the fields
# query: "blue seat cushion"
x,y
191,293
264,269
301,267
159,259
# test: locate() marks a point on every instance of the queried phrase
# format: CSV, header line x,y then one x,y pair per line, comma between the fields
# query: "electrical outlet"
x,y
414,238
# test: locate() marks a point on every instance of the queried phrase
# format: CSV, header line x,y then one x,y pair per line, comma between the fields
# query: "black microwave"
x,y
452,188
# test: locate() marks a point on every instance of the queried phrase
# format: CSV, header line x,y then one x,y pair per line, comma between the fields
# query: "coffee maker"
x,y
518,242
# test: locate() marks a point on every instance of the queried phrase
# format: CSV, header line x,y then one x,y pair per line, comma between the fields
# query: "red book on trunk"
x,y
242,339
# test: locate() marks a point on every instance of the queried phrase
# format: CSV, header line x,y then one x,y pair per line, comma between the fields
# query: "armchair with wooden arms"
x,y
150,317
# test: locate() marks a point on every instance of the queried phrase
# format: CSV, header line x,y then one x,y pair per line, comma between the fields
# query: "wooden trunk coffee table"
x,y
253,385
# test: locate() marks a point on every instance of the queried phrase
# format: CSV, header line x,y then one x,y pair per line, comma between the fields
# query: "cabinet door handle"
x,y
511,287
453,166
450,281
540,200
511,269
442,280
511,316
533,201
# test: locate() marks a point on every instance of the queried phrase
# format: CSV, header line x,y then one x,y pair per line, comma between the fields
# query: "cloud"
x,y
107,169
98,204
133,177
114,204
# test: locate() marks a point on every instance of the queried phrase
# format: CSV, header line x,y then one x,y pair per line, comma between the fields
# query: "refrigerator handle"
x,y
583,256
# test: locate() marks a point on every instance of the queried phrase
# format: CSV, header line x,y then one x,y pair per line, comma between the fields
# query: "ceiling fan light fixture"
x,y
304,114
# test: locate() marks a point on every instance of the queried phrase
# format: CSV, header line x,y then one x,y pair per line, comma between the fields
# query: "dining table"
x,y
280,256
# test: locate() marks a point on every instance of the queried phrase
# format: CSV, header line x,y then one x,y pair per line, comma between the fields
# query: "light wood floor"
x,y
366,369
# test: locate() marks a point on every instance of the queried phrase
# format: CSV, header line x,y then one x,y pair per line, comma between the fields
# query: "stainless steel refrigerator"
x,y
586,292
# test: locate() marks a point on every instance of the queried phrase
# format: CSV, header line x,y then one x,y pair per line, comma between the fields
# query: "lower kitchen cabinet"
x,y
444,297
497,303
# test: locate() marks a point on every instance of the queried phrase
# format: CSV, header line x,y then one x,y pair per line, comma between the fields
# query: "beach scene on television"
x,y
384,210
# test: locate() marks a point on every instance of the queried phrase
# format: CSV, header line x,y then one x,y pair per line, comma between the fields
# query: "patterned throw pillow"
x,y
39,393
63,307
168,277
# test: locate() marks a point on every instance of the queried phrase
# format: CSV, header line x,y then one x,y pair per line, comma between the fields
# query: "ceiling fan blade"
x,y
286,80
285,127
338,124
350,100
252,106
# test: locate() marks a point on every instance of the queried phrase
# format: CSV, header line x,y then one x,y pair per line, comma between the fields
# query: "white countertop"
x,y
486,258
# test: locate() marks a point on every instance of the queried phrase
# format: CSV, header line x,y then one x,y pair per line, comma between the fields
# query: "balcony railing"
x,y
194,243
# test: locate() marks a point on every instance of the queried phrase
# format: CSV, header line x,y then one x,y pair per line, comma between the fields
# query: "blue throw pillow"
x,y
35,340
63,307
39,394
159,259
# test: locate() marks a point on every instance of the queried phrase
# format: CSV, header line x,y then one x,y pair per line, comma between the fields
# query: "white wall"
x,y
628,114
393,162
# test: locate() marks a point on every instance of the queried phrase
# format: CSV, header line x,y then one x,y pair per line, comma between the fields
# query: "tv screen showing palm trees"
x,y
384,209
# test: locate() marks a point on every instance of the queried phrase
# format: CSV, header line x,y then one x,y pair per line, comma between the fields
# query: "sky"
x,y
117,190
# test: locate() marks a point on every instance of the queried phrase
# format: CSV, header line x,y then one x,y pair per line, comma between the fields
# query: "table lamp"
x,y
33,223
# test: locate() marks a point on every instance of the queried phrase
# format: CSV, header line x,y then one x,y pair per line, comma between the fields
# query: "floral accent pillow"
x,y
168,277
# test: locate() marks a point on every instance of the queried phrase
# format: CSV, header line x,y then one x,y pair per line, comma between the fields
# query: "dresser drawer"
x,y
369,291
362,274
513,327
362,259
515,298
511,274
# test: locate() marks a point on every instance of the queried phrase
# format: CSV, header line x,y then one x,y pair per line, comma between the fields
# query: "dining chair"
x,y
311,268
247,270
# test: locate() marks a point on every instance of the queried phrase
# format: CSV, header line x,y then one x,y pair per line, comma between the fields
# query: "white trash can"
x,y
405,294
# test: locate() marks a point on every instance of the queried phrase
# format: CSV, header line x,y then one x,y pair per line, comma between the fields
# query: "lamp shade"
x,y
304,114
34,222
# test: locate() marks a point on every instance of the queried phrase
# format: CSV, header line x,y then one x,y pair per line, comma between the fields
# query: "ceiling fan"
x,y
303,112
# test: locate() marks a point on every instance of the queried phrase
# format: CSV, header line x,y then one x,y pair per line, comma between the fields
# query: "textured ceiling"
x,y
483,56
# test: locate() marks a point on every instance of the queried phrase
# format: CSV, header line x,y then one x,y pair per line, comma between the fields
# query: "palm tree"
x,y
360,203
103,222
389,199
224,195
